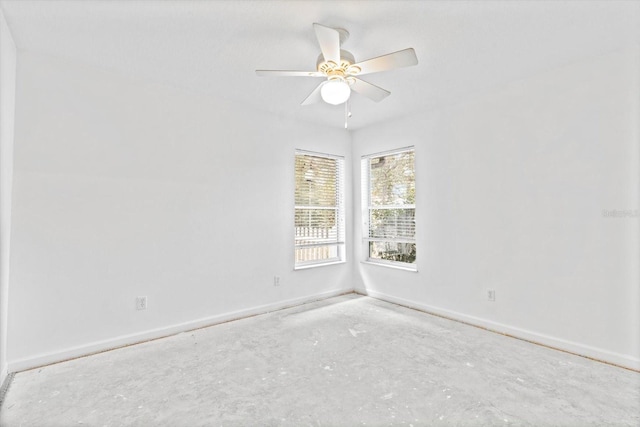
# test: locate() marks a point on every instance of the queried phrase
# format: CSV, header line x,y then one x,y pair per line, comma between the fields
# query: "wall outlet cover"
x,y
141,303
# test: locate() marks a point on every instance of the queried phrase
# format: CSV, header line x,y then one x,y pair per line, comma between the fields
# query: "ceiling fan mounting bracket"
x,y
344,35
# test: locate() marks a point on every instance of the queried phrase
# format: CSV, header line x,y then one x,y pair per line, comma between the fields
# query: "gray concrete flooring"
x,y
345,361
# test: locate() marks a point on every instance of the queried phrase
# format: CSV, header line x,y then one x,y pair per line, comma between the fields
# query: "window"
x,y
319,210
389,210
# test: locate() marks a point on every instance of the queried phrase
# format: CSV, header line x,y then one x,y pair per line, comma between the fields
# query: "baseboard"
x,y
578,349
4,372
4,387
126,340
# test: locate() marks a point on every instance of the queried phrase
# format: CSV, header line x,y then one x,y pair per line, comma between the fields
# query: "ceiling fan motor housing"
x,y
338,71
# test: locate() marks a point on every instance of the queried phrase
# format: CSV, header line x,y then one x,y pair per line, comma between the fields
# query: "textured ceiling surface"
x,y
464,48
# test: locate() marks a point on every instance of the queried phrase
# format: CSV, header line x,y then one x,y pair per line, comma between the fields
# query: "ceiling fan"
x,y
341,71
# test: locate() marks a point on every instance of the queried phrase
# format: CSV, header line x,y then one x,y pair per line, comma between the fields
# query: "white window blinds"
x,y
389,191
319,209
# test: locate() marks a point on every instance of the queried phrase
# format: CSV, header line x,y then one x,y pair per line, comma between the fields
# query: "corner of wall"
x,y
356,278
7,113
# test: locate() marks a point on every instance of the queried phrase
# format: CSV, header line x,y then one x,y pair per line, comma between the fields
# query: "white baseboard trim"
x,y
594,353
4,372
4,387
136,338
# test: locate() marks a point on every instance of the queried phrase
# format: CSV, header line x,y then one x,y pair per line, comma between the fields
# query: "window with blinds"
x,y
319,209
389,210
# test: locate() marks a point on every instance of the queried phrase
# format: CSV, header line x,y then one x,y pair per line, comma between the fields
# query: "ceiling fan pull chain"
x,y
347,114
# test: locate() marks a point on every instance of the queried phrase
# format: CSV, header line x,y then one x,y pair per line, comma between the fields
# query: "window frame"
x,y
365,174
340,240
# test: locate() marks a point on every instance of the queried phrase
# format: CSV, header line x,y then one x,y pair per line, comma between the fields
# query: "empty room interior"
x,y
319,213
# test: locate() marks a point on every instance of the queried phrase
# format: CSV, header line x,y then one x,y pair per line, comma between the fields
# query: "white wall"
x,y
7,111
511,187
125,188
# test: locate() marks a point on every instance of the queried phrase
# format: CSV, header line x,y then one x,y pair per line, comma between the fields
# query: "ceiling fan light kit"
x,y
341,70
335,92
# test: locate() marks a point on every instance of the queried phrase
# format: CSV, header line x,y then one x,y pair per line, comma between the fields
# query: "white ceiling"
x,y
464,48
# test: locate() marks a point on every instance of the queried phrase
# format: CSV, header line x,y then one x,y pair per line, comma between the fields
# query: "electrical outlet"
x,y
276,280
491,295
141,303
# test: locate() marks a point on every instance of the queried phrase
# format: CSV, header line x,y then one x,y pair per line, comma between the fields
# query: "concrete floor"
x,y
345,361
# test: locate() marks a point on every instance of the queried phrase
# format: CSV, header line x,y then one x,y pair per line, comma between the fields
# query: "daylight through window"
x,y
319,209
389,210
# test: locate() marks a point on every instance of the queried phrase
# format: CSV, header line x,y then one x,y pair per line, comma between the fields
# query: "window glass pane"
x,y
315,232
317,253
316,183
393,251
392,223
392,179
315,218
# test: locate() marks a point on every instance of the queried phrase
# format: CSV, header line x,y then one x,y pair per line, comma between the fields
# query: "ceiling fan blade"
x,y
372,92
329,41
401,58
284,73
313,96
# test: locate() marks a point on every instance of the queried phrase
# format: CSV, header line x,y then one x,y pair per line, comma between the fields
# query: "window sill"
x,y
394,266
308,266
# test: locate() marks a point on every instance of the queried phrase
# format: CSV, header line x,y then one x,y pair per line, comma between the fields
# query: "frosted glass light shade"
x,y
335,92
